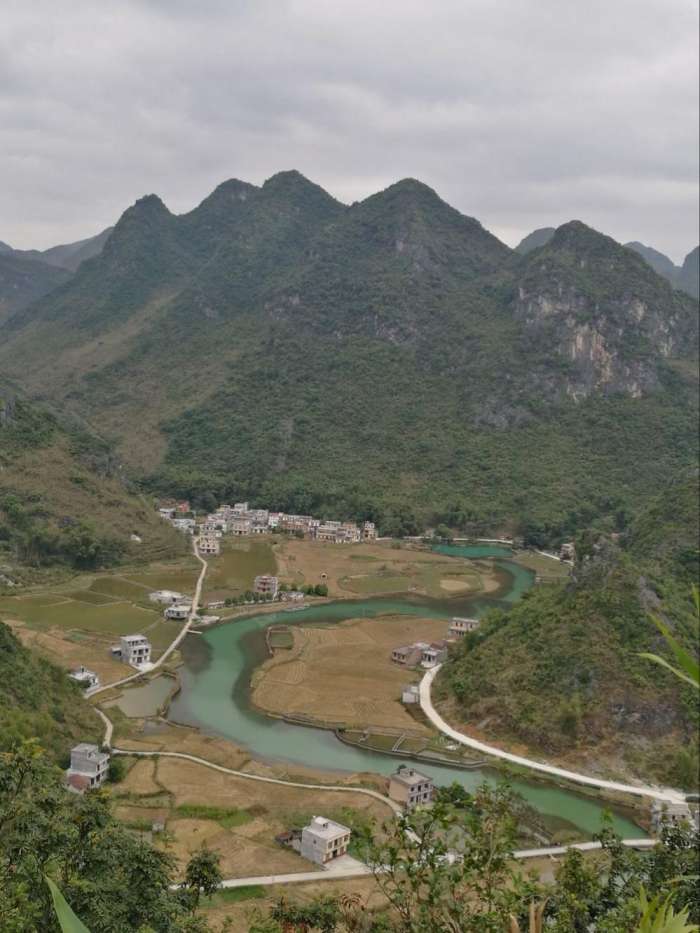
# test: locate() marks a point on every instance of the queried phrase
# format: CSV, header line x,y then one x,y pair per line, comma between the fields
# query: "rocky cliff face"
x,y
604,311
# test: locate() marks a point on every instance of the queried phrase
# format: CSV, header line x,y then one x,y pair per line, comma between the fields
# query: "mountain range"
x,y
391,359
685,277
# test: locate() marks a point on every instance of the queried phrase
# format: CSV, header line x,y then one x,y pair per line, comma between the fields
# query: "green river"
x,y
215,694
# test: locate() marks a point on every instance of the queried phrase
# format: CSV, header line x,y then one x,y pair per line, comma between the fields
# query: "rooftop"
x,y
410,777
328,829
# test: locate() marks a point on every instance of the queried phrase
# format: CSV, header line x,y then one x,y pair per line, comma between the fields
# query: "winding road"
x,y
95,691
639,790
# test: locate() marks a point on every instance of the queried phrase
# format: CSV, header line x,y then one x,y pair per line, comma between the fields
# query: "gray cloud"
x,y
520,113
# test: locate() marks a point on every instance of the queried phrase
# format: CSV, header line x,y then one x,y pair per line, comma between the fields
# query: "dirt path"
x,y
173,645
341,789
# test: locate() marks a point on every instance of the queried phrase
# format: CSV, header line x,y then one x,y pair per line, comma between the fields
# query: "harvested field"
x,y
68,652
370,569
343,674
236,817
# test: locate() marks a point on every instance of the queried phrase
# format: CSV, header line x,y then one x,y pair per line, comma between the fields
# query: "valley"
x,y
463,465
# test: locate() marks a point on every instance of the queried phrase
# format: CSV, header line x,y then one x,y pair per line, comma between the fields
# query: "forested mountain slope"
x,y
391,358
561,670
63,503
37,700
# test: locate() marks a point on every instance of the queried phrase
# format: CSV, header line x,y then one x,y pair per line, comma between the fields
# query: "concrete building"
x,y
240,526
409,655
266,585
434,654
324,840
85,678
135,650
208,544
167,513
185,525
369,531
165,597
410,694
410,788
88,767
663,812
460,626
178,613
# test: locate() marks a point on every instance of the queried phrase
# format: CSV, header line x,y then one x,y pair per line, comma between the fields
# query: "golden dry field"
x,y
344,674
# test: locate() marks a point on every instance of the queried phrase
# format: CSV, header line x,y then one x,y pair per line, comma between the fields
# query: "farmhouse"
x,y
88,767
166,597
266,585
410,788
85,678
208,544
369,531
179,613
135,650
663,812
434,654
409,655
460,626
324,840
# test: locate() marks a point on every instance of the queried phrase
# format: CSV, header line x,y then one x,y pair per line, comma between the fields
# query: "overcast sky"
x,y
522,113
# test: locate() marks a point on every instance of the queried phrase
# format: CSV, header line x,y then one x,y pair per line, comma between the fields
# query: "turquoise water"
x,y
473,551
215,697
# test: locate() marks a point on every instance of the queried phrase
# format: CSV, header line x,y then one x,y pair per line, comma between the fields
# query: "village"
x,y
240,520
358,677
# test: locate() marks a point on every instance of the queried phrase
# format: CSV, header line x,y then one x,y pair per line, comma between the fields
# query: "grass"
x,y
225,896
119,587
115,618
234,570
226,817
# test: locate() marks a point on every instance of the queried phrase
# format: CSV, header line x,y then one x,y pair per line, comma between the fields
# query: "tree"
x,y
202,877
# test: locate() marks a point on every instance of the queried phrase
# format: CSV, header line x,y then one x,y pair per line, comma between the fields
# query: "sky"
x,y
522,113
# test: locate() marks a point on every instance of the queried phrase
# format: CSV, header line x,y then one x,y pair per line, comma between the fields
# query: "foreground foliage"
x,y
449,870
111,879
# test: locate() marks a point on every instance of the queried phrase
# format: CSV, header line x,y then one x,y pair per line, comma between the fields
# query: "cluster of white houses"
x,y
428,654
240,519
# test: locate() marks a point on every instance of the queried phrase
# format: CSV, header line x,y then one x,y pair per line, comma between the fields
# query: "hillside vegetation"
x,y
63,504
37,700
561,671
391,359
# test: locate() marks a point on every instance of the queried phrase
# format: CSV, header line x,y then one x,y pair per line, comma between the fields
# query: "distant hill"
x,y
23,280
68,255
533,240
685,277
689,276
574,684
37,700
63,503
391,359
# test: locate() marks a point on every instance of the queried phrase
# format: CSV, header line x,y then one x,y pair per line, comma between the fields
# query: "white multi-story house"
x,y
135,650
88,767
324,840
410,788
179,613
